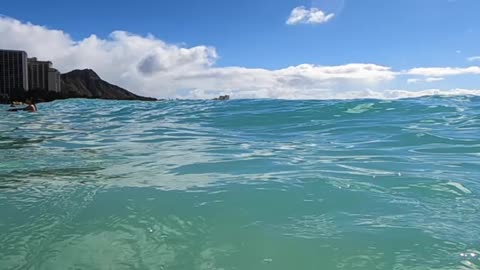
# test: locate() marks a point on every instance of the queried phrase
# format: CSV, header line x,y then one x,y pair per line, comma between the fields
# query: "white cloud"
x,y
474,58
149,66
413,80
301,15
429,79
152,67
302,81
434,79
396,94
443,71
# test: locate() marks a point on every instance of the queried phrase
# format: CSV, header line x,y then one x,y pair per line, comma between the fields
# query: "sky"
x,y
289,49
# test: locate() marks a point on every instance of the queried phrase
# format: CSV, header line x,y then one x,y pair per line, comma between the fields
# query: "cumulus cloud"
x,y
397,94
443,71
474,58
301,15
294,82
149,66
429,79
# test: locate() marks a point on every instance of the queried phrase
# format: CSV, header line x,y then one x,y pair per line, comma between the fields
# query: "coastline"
x,y
77,84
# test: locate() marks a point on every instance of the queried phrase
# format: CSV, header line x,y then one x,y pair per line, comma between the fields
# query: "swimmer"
x,y
31,107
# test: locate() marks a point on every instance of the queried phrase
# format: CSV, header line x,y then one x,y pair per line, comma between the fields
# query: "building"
x,y
18,74
41,75
13,73
38,73
54,81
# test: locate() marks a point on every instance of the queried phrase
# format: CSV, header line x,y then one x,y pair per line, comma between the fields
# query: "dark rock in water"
x,y
225,97
87,84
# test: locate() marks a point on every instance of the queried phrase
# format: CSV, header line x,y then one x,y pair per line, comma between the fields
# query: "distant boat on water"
x,y
225,97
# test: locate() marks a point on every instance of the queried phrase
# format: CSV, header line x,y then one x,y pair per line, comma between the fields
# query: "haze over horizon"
x,y
320,49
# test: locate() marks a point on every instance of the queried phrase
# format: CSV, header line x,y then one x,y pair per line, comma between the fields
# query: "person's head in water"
x,y
31,107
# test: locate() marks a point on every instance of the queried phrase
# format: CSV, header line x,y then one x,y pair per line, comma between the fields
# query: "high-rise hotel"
x,y
41,75
19,73
13,72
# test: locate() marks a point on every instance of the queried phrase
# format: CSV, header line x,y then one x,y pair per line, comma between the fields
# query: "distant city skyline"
x,y
19,73
259,49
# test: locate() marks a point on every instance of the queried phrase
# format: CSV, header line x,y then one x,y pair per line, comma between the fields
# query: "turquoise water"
x,y
265,184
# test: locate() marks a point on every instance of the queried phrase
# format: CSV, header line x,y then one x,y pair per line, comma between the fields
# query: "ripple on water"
x,y
243,184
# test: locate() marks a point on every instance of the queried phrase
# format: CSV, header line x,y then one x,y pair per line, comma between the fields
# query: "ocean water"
x,y
243,184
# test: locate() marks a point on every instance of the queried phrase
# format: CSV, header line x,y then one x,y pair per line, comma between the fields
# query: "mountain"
x,y
87,84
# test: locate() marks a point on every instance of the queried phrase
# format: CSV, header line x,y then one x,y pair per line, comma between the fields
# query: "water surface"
x,y
243,184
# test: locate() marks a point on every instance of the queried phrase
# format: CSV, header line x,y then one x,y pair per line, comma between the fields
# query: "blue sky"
x,y
401,34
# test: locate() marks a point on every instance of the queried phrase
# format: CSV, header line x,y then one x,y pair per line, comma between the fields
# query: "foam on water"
x,y
243,184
